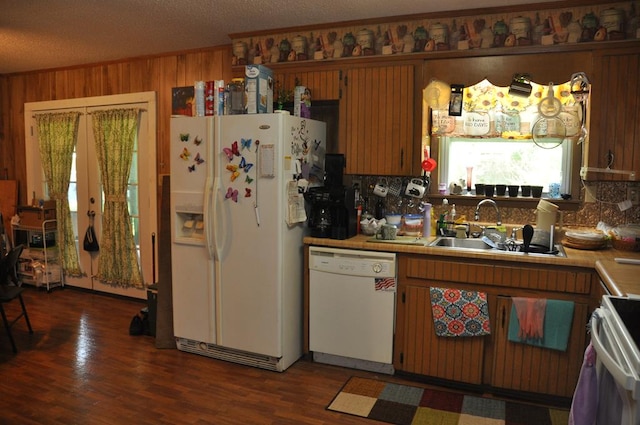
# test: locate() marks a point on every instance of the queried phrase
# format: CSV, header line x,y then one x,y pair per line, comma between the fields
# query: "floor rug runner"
x,y
404,404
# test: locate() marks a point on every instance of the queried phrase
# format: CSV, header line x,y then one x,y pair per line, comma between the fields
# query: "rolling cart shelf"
x,y
38,263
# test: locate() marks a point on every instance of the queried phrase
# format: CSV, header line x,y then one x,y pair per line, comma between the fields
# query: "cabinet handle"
x,y
504,316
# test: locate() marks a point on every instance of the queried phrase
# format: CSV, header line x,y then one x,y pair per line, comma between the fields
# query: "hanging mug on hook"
x,y
381,188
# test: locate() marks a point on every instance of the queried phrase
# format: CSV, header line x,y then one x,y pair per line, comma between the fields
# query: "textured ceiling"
x,y
43,34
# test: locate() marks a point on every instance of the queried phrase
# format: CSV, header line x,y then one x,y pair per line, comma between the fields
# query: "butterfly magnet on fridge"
x,y
231,194
185,155
232,151
246,166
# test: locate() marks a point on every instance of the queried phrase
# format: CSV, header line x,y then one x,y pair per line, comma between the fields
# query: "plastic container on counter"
x,y
412,224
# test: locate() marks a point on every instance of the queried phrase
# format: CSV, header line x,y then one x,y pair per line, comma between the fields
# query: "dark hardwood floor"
x,y
81,366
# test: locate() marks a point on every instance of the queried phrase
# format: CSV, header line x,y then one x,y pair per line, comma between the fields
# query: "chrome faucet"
x,y
495,206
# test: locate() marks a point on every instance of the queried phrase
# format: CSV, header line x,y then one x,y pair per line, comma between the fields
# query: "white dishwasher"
x,y
352,297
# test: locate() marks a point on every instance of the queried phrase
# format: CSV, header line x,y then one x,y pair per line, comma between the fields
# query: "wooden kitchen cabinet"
x,y
490,361
376,112
523,367
421,352
377,119
323,84
614,137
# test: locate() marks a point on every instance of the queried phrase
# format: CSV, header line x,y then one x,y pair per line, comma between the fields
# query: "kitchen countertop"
x,y
574,258
620,279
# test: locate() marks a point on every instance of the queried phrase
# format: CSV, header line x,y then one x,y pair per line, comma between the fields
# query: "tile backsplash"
x,y
606,197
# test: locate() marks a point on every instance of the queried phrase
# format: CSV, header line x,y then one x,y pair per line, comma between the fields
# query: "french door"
x,y
86,198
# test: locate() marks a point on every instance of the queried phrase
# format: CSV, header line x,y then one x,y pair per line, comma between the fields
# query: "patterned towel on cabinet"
x,y
457,312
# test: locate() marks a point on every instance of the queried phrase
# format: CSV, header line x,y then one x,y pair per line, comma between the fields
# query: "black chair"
x,y
11,289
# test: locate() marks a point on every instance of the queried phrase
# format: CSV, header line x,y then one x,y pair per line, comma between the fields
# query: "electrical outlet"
x,y
633,193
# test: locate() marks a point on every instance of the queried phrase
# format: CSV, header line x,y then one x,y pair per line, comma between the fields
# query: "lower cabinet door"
x,y
420,351
524,367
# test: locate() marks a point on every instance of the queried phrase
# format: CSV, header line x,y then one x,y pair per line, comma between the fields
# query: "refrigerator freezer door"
x,y
193,289
189,140
193,293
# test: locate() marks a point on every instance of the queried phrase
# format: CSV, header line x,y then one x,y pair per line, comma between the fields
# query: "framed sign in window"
x,y
455,101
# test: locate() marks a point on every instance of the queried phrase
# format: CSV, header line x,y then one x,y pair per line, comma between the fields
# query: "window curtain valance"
x,y
489,111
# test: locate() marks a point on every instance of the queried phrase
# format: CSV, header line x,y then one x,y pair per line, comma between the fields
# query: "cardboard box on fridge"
x,y
258,87
183,101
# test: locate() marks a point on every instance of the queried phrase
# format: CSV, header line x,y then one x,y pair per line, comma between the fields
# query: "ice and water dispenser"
x,y
188,218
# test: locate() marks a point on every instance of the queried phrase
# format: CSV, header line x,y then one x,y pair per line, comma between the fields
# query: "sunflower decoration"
x,y
515,135
538,92
511,103
563,94
468,102
480,97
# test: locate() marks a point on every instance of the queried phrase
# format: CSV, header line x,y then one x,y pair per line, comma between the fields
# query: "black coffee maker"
x,y
333,211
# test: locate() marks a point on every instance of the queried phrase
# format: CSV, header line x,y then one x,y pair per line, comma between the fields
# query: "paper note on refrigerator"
x,y
295,205
267,160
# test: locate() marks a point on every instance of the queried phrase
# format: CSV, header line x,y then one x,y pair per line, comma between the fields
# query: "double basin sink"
x,y
479,244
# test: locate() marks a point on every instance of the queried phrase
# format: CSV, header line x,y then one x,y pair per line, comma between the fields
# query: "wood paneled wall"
x,y
159,74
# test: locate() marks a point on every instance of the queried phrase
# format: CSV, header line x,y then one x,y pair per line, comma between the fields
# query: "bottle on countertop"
x,y
381,209
199,87
442,224
426,221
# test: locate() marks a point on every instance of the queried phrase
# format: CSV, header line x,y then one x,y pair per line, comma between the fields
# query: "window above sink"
x,y
508,139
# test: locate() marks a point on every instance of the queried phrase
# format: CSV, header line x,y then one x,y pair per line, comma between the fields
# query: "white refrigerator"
x,y
237,227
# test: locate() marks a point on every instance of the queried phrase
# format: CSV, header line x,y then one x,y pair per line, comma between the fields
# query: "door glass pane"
x,y
133,174
133,198
72,197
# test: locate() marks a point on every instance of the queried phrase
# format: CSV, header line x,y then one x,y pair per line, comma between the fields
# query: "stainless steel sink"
x,y
460,243
480,245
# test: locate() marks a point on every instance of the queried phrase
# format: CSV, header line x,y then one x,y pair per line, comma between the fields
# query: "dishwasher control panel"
x,y
352,262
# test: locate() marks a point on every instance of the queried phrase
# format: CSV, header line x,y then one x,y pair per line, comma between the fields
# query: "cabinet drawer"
x,y
517,276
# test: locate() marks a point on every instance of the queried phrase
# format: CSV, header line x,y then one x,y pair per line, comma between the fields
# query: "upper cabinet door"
x,y
324,85
377,108
614,138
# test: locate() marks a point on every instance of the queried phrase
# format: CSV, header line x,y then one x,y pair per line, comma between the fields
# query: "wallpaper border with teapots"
x,y
600,23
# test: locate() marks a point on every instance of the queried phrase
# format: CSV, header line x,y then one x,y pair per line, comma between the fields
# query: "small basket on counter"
x,y
626,237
